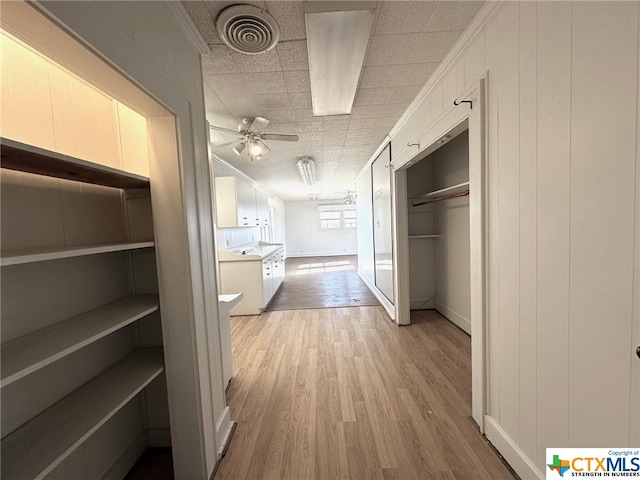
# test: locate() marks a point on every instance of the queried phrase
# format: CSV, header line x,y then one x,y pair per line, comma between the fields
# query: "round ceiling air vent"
x,y
248,29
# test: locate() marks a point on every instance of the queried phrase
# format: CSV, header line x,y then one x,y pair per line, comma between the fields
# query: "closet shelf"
x,y
27,158
442,194
425,236
27,354
37,447
17,258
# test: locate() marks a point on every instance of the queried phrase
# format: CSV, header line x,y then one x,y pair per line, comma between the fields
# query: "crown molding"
x,y
188,27
475,27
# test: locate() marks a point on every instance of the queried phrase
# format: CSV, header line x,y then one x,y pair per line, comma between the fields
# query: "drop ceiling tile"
x,y
203,21
373,96
395,110
310,136
293,55
336,122
297,81
387,122
384,76
367,111
452,16
403,17
391,49
417,74
227,85
294,127
219,61
290,18
265,62
362,123
273,101
268,82
300,100
433,46
404,95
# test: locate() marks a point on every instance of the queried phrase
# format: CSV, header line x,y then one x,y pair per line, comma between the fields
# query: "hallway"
x,y
343,393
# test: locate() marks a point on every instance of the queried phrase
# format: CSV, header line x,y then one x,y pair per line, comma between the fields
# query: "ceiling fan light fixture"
x,y
239,148
307,170
255,148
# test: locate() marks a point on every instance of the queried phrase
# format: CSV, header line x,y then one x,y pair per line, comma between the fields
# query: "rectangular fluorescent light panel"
x,y
336,43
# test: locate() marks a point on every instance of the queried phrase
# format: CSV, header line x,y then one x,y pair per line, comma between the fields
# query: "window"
x,y
330,220
337,218
350,218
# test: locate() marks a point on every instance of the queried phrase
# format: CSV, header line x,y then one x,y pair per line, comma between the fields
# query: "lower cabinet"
x,y
258,280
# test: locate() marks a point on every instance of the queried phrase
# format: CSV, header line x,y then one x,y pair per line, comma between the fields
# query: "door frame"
x,y
474,114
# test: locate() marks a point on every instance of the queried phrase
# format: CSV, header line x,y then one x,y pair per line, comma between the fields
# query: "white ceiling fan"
x,y
251,137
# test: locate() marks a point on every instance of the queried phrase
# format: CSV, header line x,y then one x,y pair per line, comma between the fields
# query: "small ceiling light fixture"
x,y
307,169
337,39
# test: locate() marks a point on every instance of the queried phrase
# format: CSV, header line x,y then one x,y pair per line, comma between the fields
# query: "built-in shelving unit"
x,y
424,236
32,352
442,194
37,447
102,316
17,258
27,158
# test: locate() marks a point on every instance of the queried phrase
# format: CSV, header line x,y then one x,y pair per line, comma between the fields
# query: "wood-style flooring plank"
x,y
342,393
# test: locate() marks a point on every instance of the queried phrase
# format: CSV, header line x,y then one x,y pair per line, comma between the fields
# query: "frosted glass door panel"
x,y
382,226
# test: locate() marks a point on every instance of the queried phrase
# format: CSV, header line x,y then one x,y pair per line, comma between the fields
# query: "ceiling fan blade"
x,y
224,144
277,136
258,125
222,129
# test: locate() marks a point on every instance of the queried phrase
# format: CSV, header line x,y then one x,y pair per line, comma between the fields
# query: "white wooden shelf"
x,y
16,258
441,194
37,447
27,354
425,236
27,158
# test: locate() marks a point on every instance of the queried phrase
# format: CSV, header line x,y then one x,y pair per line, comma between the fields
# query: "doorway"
x,y
467,117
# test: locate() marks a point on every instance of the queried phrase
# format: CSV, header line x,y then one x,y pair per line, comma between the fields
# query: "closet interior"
x,y
438,227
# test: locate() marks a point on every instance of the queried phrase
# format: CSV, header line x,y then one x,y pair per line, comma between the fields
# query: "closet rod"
x,y
444,197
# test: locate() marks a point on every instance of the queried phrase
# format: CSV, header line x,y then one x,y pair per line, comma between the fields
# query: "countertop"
x,y
251,252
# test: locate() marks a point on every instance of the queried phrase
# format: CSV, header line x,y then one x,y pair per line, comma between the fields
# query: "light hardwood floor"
x,y
342,393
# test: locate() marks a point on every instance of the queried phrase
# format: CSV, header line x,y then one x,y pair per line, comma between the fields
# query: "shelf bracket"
x,y
413,145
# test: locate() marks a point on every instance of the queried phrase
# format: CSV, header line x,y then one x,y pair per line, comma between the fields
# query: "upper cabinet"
x,y
239,204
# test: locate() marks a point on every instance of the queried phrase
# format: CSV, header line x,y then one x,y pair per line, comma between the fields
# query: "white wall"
x,y
306,239
563,219
451,220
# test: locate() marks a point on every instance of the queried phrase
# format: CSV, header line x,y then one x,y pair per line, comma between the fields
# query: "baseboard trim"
x,y
224,431
515,457
422,305
453,317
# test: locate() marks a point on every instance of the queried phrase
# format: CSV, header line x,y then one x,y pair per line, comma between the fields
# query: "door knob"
x,y
638,351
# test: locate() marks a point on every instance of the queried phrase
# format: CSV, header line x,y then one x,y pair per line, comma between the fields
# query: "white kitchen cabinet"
x,y
239,204
257,273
